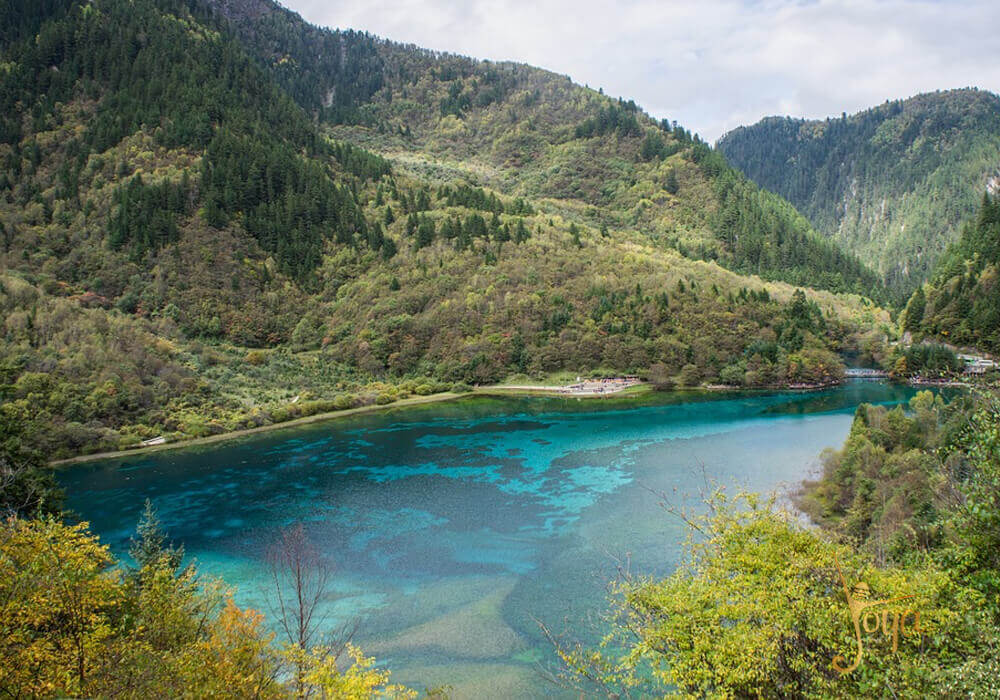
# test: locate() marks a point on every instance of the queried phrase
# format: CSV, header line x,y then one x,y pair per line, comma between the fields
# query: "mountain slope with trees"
x,y
961,303
193,245
533,134
892,184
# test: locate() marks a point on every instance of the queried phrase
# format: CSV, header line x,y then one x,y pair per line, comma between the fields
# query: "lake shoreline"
x,y
497,390
493,390
236,434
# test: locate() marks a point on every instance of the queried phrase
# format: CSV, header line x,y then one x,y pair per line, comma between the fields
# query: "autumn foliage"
x,y
72,623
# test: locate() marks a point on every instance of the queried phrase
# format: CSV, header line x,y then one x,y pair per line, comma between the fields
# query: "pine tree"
x,y
521,232
151,547
915,310
672,186
575,233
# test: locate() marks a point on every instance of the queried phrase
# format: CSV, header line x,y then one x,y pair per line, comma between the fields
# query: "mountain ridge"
x,y
892,184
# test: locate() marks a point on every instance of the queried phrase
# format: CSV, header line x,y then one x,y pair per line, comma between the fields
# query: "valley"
x,y
334,366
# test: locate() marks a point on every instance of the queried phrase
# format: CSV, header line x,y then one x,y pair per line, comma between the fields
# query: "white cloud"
x,y
710,64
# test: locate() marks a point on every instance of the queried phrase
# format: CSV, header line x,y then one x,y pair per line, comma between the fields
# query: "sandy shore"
x,y
587,389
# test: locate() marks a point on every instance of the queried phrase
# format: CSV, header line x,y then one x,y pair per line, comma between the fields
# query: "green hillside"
x,y
530,133
188,250
961,303
892,184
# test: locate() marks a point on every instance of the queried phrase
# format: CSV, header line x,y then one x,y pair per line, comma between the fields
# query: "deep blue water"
x,y
453,525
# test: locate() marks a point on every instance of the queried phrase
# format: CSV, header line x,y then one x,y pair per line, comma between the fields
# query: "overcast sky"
x,y
710,64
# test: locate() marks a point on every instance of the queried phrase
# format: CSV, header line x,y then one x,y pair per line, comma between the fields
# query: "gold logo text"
x,y
893,623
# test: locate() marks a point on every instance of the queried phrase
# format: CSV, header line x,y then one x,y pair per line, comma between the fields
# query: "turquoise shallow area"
x,y
453,525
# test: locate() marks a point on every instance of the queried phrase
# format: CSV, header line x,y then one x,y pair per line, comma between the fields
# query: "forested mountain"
x,y
192,244
531,133
961,303
892,184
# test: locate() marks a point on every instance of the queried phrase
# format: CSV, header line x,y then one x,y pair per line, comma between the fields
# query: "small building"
x,y
976,364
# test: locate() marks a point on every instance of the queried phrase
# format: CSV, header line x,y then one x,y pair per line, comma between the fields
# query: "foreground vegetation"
x,y
77,623
909,507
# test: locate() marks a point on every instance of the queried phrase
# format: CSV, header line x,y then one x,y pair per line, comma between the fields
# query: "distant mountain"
x,y
892,184
210,211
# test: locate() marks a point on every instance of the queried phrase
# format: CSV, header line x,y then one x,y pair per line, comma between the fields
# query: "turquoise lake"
x,y
454,526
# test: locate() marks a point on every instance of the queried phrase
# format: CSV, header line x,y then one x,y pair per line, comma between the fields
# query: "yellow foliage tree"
x,y
73,625
56,602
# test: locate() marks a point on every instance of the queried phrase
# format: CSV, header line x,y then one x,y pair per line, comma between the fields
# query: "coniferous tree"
x,y
151,547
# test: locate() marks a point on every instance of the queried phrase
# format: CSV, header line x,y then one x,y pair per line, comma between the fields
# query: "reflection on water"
x,y
453,525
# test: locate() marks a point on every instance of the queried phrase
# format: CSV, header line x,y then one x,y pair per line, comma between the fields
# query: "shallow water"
x,y
455,526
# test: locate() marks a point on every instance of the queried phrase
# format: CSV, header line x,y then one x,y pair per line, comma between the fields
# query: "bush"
x,y
385,398
424,390
659,377
460,388
255,358
128,440
690,375
282,414
759,600
732,375
195,427
311,408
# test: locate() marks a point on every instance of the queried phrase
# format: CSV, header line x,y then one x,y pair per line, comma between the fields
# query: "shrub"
x,y
281,414
255,358
690,375
757,608
128,440
732,375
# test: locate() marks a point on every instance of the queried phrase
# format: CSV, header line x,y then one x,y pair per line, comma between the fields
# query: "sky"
x,y
712,65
